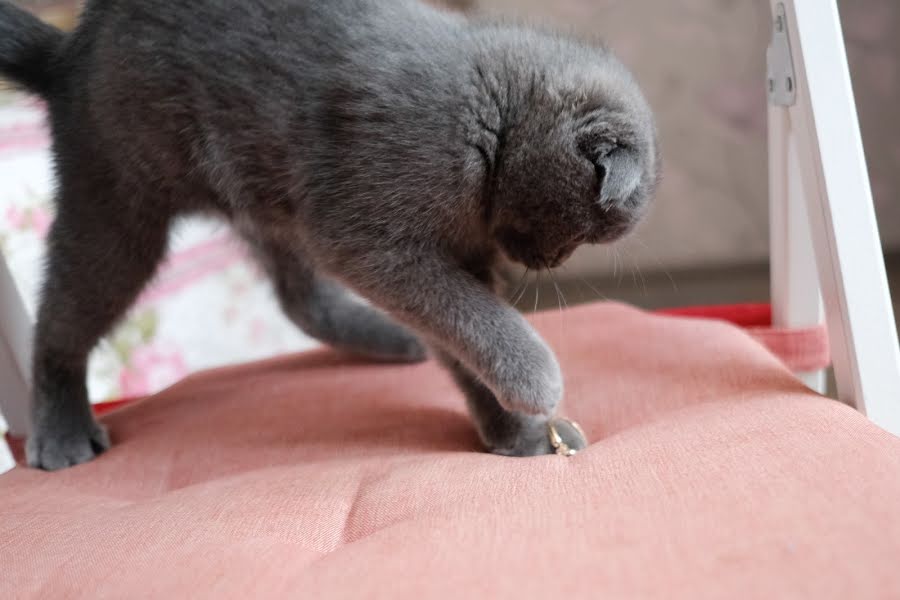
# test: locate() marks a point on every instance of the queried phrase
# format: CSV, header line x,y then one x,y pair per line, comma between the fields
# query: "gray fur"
x,y
379,146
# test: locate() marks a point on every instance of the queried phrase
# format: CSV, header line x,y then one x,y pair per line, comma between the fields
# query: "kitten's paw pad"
x,y
558,436
54,450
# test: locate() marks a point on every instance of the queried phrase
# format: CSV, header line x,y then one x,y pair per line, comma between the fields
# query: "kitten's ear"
x,y
619,173
618,166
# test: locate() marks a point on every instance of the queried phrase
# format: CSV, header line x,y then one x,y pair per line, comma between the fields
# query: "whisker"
x,y
559,302
584,282
524,290
519,287
643,281
636,268
600,294
581,295
662,267
537,290
560,297
612,250
622,270
555,287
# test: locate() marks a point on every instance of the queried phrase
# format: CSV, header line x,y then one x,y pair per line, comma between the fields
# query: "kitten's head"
x,y
569,149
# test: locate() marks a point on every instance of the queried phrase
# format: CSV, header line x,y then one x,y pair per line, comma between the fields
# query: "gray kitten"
x,y
381,146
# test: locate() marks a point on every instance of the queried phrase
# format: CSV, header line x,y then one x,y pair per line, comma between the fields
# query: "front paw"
x,y
55,447
540,437
532,385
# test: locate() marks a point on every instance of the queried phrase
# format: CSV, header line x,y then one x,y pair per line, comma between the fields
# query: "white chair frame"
x,y
826,256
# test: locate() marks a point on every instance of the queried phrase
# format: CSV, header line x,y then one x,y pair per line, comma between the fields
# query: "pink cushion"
x,y
713,473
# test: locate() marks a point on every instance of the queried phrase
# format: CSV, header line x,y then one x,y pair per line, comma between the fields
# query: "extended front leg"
x,y
510,377
512,433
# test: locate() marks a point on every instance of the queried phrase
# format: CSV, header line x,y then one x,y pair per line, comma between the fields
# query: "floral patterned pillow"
x,y
207,306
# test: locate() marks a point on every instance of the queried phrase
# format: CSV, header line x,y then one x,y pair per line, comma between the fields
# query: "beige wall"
x,y
702,64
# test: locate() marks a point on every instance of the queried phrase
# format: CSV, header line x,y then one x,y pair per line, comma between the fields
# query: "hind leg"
x,y
324,309
99,258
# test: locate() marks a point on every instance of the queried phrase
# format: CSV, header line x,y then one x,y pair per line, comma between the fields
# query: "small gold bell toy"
x,y
556,440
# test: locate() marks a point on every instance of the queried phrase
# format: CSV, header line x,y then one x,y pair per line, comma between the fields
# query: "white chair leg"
x,y
822,120
796,299
15,352
13,401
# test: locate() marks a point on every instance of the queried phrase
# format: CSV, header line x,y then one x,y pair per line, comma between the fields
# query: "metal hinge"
x,y
782,83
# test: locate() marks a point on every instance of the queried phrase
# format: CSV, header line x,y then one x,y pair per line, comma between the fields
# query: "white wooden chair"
x,y
826,257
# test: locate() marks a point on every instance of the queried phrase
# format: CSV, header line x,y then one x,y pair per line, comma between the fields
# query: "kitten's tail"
x,y
28,49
